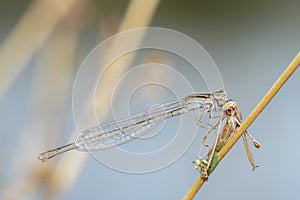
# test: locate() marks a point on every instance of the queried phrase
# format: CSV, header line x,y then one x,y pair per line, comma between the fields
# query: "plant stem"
x,y
253,115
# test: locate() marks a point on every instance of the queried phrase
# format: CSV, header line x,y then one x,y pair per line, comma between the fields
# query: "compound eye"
x,y
230,110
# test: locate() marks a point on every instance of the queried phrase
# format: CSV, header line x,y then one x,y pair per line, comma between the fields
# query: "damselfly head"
x,y
230,107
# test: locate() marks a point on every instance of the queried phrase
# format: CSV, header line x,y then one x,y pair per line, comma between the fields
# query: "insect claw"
x,y
254,167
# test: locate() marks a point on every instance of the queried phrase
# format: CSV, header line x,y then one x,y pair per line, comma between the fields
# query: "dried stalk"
x,y
253,115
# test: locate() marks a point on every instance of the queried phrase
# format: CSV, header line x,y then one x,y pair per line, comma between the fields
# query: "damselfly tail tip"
x,y
43,157
51,153
47,155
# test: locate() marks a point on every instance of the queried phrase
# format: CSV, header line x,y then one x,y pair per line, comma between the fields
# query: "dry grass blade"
x,y
135,16
253,115
19,47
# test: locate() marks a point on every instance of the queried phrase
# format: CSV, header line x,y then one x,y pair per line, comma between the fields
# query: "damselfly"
x,y
233,120
124,130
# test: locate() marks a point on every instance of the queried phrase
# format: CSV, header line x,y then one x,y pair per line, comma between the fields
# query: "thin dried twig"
x,y
253,115
136,16
21,44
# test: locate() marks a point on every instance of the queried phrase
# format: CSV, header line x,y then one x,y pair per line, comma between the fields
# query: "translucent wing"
x,y
121,131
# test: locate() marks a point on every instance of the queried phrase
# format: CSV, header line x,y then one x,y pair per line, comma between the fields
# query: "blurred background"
x,y
43,43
